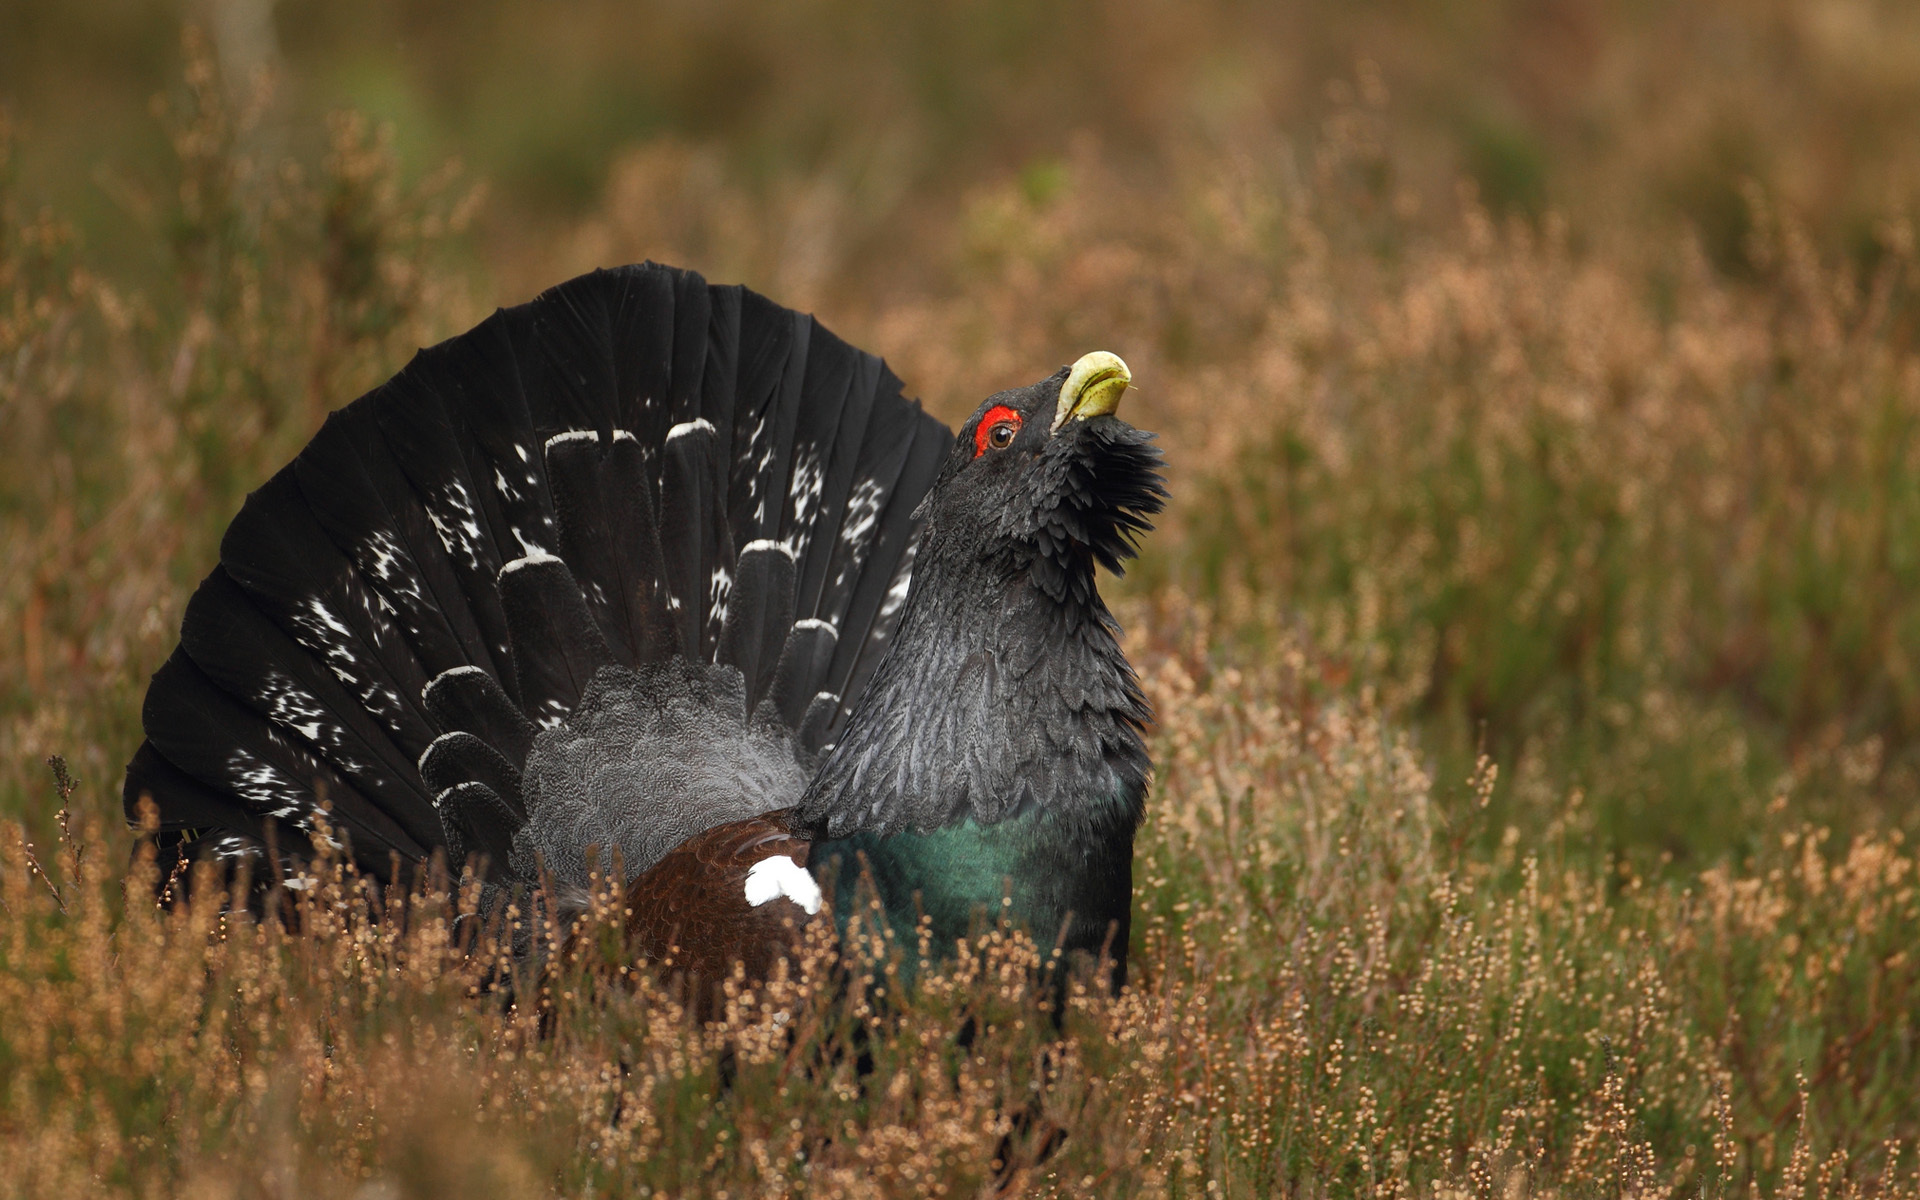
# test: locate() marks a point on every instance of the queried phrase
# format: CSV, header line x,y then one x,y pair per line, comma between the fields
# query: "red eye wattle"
x,y
996,430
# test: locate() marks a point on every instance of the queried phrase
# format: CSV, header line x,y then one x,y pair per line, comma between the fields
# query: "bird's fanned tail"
x,y
634,468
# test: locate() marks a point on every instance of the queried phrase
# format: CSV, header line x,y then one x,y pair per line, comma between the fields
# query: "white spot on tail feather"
x,y
574,435
772,878
902,583
380,557
292,706
863,514
325,618
809,477
694,426
719,593
528,546
766,544
527,561
459,531
264,788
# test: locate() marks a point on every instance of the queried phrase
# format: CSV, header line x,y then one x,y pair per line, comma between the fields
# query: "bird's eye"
x,y
997,430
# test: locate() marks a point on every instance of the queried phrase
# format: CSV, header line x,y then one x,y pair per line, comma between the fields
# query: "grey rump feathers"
x,y
647,759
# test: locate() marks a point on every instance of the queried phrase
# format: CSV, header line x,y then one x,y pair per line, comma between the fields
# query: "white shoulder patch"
x,y
772,878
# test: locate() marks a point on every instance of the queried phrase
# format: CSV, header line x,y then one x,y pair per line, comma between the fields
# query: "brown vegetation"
x,y
1532,640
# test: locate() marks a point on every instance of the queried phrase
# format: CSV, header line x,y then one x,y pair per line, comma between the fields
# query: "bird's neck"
x,y
994,762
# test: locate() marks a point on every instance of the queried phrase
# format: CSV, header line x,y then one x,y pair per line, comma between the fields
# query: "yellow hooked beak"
x,y
1092,389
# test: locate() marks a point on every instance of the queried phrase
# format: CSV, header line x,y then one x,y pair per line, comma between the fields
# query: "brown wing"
x,y
690,909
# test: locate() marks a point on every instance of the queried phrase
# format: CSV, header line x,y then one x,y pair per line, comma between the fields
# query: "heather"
x,y
1531,636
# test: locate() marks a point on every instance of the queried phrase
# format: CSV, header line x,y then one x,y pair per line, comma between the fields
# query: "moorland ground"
x,y
1533,637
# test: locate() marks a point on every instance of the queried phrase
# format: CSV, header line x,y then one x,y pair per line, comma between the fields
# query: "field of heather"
x,y
1534,634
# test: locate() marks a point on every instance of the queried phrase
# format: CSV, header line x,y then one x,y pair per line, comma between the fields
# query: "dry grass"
x,y
1532,643
1327,998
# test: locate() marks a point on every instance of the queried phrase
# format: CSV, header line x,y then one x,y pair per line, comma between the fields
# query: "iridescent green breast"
x,y
1067,879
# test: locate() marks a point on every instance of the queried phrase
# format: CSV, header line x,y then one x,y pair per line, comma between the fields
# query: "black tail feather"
x,y
694,539
842,443
457,758
706,322
556,645
759,615
469,700
802,669
567,358
604,508
425,443
816,726
478,380
479,826
184,806
772,360
658,331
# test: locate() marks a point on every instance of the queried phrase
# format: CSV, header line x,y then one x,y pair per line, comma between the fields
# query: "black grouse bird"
x,y
659,572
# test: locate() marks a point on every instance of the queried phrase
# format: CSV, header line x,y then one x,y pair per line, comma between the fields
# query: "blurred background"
x,y
1548,364
878,121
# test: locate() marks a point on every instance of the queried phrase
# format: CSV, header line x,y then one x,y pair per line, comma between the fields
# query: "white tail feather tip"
x,y
697,425
528,561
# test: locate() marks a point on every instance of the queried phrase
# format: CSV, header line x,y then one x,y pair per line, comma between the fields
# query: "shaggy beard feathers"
x,y
1091,495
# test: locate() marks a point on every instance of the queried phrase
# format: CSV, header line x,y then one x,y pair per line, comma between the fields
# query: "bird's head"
x,y
1045,479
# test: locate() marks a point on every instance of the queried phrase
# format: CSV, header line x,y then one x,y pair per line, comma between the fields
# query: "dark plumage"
x,y
658,572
